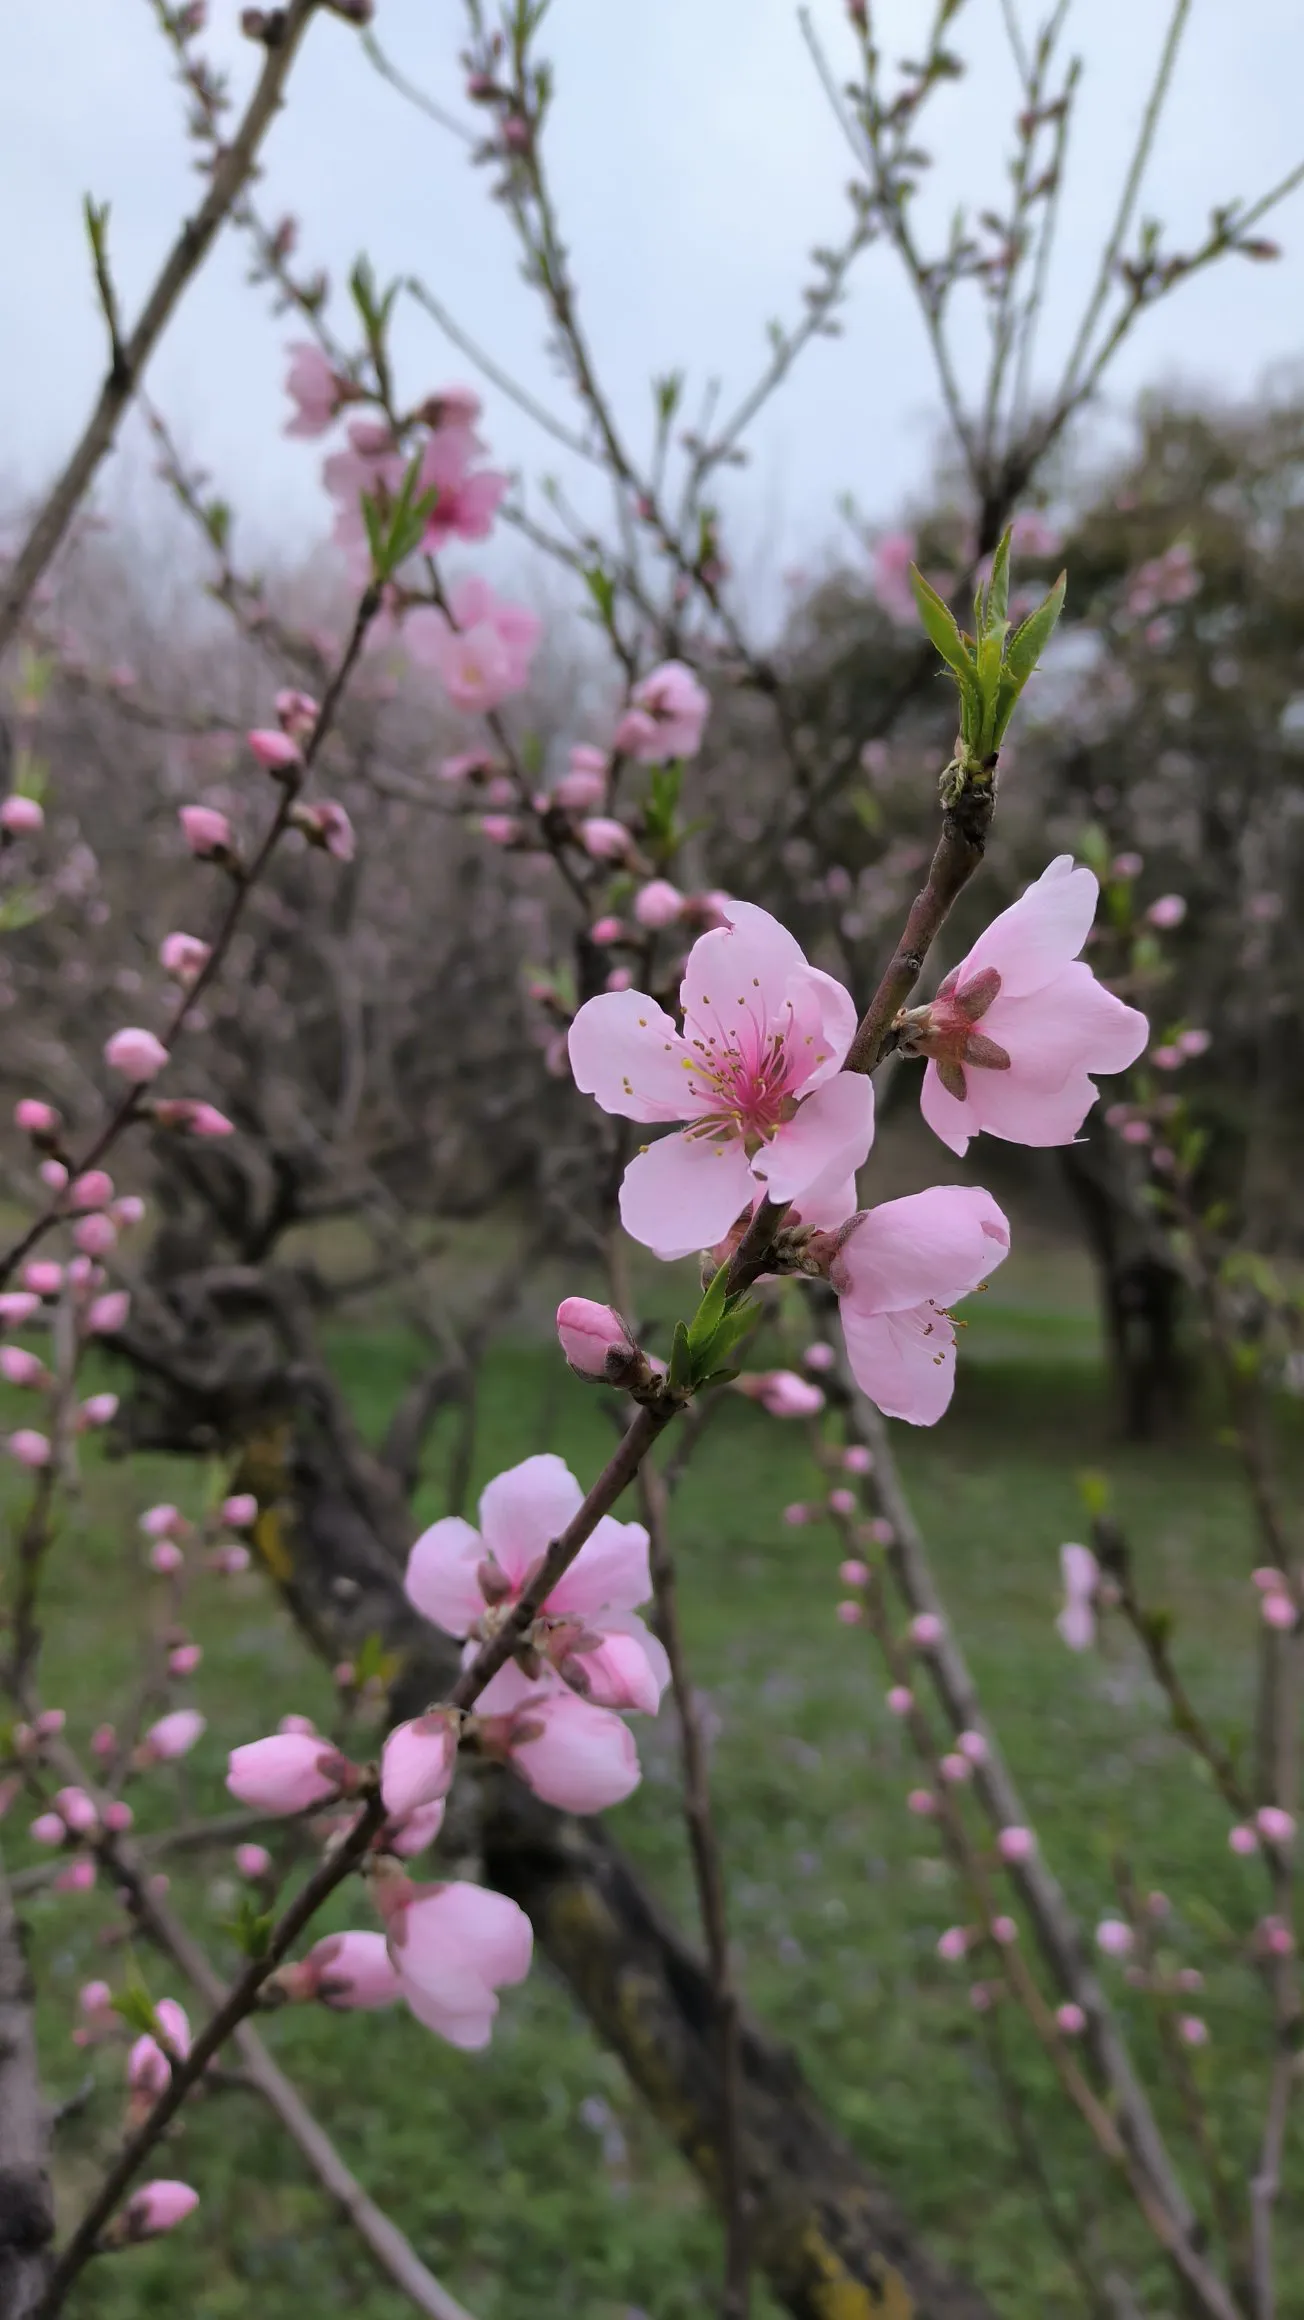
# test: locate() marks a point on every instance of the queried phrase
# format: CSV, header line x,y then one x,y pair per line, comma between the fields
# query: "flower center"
x,y
945,1030
745,1079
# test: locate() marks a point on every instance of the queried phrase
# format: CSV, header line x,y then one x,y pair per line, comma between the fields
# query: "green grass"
x,y
528,2177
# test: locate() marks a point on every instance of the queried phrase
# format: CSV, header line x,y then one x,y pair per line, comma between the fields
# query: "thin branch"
x,y
26,2203
493,371
180,267
397,79
959,852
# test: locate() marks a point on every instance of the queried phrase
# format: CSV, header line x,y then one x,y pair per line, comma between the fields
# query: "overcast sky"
x,y
695,162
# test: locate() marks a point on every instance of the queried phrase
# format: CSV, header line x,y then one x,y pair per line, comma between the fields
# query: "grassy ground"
x,y
528,2177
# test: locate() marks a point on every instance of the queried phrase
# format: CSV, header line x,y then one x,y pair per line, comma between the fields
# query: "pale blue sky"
x,y
695,162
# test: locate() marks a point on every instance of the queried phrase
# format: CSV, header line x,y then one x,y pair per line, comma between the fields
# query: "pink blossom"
x,y
184,956
455,1573
106,1315
1168,911
850,1613
453,1947
755,1072
44,1277
1279,1612
274,749
47,1829
53,1173
28,1447
173,1735
483,652
571,1751
1017,1028
669,713
467,497
161,2205
856,1459
854,1573
1192,2031
955,1768
418,1762
900,1700
241,1511
796,1516
20,1368
303,1724
923,1802
128,1211
1005,1931
1071,2019
327,825
842,1502
1274,1824
1016,1844
585,784
926,1630
466,764
416,1830
348,1971
96,1235
500,829
95,1998
1114,1937
314,390
606,840
1193,1043
21,817
953,1944
161,1522
893,556
287,1772
93,1189
229,1560
49,1723
594,1339
781,1392
973,1746
297,713
658,904
1077,1621
34,1117
188,1116
1269,1580
897,1268
819,1357
103,1742
76,1810
253,1861
184,1660
1243,1840
118,1817
620,979
137,1054
18,1306
207,832
1276,1937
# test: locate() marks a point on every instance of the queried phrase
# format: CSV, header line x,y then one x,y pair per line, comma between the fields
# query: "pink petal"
x,y
829,1136
1002,1104
937,1244
625,1051
683,1194
747,964
441,1575
828,1203
903,1362
479,1925
1077,1625
1072,1023
1036,937
525,1509
417,1763
583,1760
469,2026
610,1572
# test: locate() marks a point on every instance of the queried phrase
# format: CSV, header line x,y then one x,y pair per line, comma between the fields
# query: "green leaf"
x,y
602,589
680,1374
136,2008
1030,639
21,907
941,624
711,1312
997,604
251,1927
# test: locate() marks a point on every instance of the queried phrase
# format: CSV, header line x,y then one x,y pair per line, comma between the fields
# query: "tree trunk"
x,y
1140,1294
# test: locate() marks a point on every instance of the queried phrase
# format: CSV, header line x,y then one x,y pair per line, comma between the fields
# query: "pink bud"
x,y
103,1742
21,817
53,1174
184,956
980,1998
594,1339
76,1810
853,1573
606,840
1243,1840
165,1557
137,1054
95,1998
1189,1978
606,930
274,750
1279,1612
922,1801
796,1516
1126,866
128,1211
253,1861
172,1736
207,833
230,1561
327,825
819,1357
17,1306
1114,1937
577,791
83,1273
44,1277
186,1658
843,1502
78,1877
47,1829
953,1944
29,1448
34,1117
98,1410
856,1459
955,1768
286,1773
1004,1930
418,1762
18,1367
1274,1824
620,979
190,1117
1270,1581
850,1614
302,1724
94,1189
926,1630
163,1522
118,1817
352,1969
973,1746
95,1235
160,2206
1016,1844
500,829
298,712
1192,2030
241,1511
1071,2019
1168,911
50,1722
658,904
108,1314
900,1700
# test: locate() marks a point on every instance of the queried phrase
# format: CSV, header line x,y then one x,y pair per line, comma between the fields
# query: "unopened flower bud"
x,y
208,833
137,1054
596,1342
21,817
